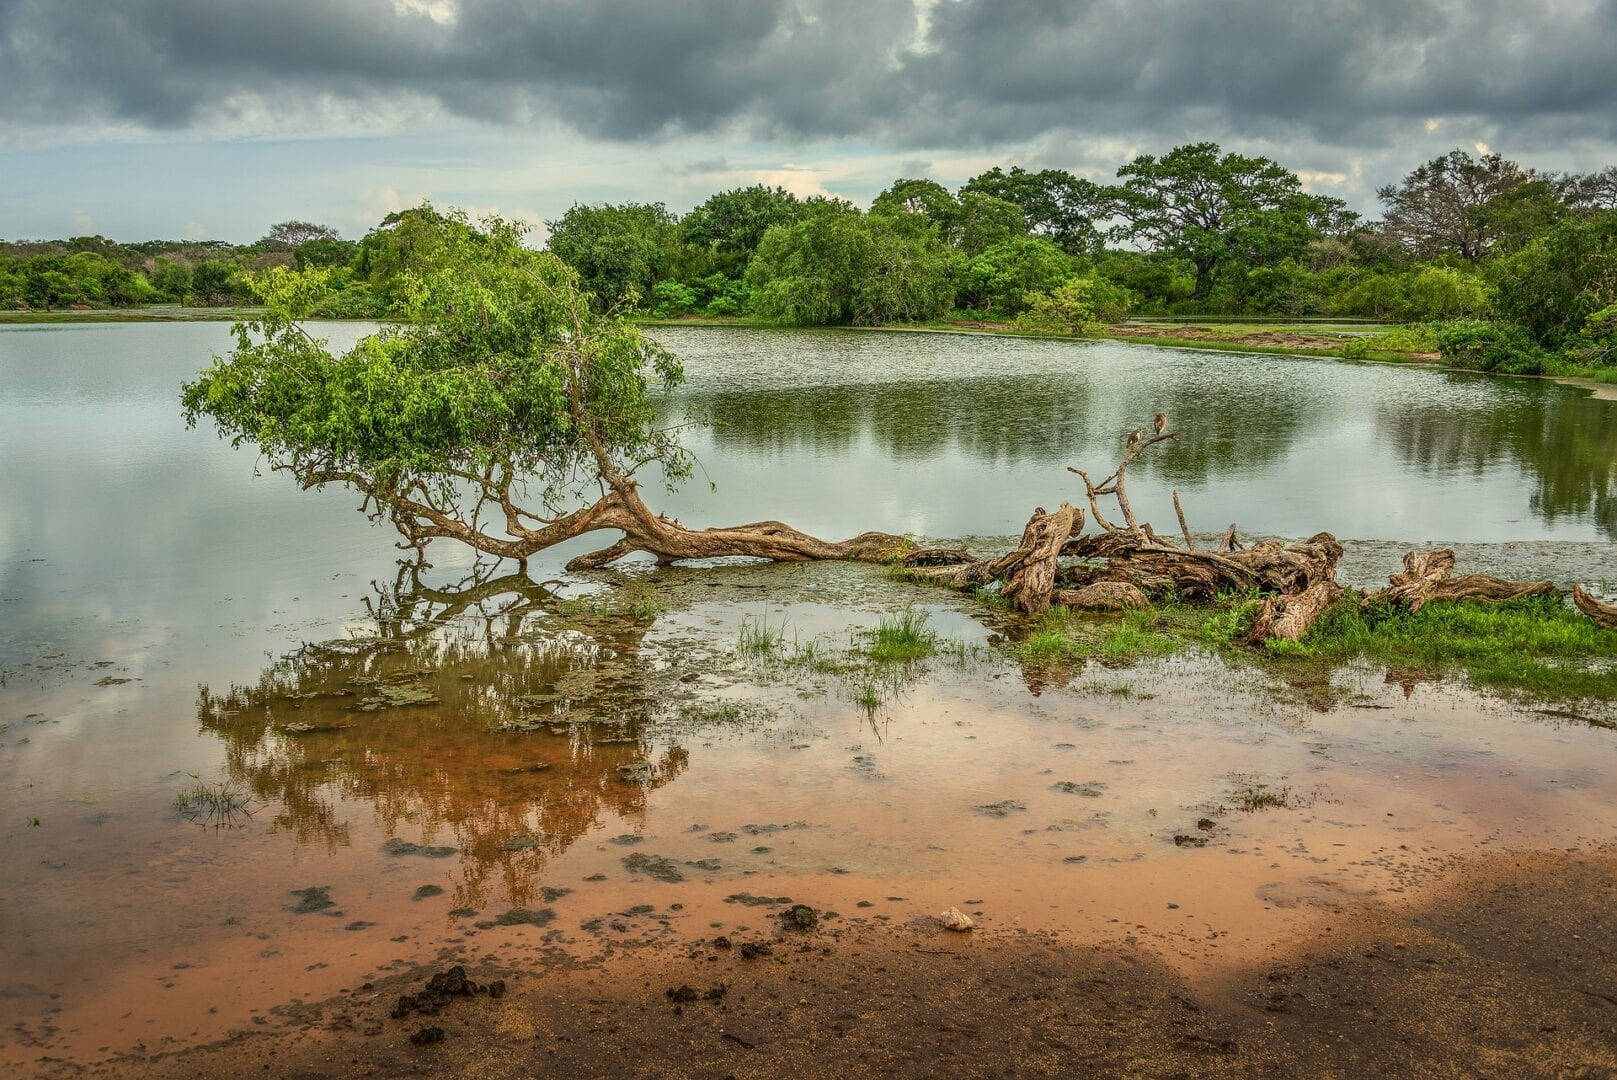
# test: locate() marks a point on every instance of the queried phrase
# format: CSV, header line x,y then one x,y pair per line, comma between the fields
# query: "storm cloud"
x,y
976,72
665,99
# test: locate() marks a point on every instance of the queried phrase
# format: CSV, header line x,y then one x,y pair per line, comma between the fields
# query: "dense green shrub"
x,y
1082,306
1491,346
838,266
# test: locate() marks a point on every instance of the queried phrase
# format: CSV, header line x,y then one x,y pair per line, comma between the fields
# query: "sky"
x,y
194,119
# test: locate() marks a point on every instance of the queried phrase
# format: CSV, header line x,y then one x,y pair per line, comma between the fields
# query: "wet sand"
x,y
1508,968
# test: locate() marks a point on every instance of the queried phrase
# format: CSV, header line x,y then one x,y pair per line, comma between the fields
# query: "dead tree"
x,y
1121,565
1603,614
1425,577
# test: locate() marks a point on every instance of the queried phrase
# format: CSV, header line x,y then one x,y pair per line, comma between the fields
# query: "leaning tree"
x,y
503,412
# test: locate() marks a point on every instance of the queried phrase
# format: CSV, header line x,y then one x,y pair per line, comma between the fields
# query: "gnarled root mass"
x,y
1425,577
1119,567
1603,614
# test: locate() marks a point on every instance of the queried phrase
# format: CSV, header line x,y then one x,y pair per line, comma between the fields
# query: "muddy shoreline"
x,y
1508,967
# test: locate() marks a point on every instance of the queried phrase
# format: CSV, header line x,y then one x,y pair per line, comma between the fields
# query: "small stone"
x,y
955,919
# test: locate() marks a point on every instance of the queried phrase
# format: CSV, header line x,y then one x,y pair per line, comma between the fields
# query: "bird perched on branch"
x,y
1134,437
1159,422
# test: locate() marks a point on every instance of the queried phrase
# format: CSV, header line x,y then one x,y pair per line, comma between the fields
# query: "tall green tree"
x,y
1438,209
837,266
1556,283
620,251
1208,207
1054,203
730,225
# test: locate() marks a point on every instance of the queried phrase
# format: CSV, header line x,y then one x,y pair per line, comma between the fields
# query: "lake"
x,y
453,760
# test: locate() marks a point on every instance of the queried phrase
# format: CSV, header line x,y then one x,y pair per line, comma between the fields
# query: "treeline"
x,y
1500,266
93,272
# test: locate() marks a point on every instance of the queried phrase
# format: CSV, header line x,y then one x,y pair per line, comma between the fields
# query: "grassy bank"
x,y
1535,650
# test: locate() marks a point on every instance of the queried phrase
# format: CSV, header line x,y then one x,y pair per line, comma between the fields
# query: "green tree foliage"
x,y
504,380
983,221
1553,285
1083,306
730,225
406,242
619,251
837,266
289,235
1054,203
998,281
1212,208
1440,207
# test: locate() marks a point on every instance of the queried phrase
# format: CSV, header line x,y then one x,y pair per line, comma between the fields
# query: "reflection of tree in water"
x,y
489,713
1038,420
1565,440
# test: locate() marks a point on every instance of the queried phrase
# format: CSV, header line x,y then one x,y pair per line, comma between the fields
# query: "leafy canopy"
x,y
501,375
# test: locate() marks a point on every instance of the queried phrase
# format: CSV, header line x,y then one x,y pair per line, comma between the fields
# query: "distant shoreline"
x,y
1267,340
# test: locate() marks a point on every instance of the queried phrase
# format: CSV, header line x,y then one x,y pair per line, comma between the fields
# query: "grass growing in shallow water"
x,y
902,638
1538,649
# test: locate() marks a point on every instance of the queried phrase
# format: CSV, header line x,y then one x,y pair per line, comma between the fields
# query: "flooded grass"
x,y
216,803
902,638
1535,649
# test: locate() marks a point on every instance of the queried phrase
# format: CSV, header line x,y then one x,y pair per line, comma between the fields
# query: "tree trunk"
x,y
1425,577
1289,617
1103,596
1604,615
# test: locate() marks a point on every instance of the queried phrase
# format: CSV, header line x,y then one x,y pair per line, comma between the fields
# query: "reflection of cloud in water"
x,y
527,723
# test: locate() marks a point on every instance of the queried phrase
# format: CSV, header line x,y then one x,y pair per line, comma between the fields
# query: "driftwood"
x,y
1290,616
1425,577
1114,569
1604,615
1119,566
1103,596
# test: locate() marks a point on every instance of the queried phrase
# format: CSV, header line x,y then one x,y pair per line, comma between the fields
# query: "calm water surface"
x,y
169,606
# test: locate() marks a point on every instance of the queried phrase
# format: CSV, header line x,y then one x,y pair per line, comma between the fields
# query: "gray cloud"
x,y
989,73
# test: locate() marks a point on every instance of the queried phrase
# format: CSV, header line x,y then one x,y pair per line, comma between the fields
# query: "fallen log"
x,y
1425,578
1604,615
1103,596
1289,617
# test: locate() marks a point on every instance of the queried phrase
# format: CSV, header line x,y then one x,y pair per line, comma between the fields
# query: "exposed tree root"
x,y
1604,615
1120,566
1288,617
1425,577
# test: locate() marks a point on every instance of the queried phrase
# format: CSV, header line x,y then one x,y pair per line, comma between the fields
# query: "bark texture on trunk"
x,y
1603,614
1289,617
1426,577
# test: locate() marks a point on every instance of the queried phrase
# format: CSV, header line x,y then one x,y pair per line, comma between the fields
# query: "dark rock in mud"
x,y
708,865
1092,789
751,950
683,994
1187,840
551,893
749,900
653,866
442,988
526,917
721,942
596,877
427,891
359,924
1076,859
462,912
398,847
1003,808
800,917
761,830
627,839
428,1035
312,899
